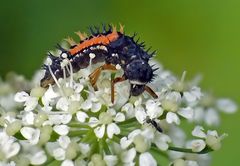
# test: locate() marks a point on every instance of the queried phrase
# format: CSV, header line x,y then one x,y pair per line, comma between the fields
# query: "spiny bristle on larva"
x,y
82,36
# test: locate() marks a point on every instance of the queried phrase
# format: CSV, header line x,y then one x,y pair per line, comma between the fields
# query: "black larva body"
x,y
123,51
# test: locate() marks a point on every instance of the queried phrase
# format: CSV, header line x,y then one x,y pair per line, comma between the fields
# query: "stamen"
x,y
183,76
53,76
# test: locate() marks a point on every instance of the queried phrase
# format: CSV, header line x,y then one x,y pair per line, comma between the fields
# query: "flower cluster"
x,y
70,124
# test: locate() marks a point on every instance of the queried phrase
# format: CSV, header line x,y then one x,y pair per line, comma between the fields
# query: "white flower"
x,y
38,158
105,120
8,145
128,156
146,159
211,137
161,141
197,145
81,116
192,95
62,104
30,102
60,118
31,134
184,112
226,105
61,129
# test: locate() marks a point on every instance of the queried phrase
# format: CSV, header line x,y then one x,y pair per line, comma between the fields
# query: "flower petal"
x,y
62,104
31,134
197,145
146,159
21,97
198,132
31,103
186,112
112,129
81,116
140,114
120,117
38,158
61,129
172,117
99,131
226,105
67,163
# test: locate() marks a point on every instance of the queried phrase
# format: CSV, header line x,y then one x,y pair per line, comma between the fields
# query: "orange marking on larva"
x,y
104,40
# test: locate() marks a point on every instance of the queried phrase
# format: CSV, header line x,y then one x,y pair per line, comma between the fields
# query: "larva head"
x,y
139,73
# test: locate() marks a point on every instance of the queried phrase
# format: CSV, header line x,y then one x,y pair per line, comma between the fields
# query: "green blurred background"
x,y
200,36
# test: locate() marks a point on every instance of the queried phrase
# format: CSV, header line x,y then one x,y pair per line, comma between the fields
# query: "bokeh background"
x,y
199,36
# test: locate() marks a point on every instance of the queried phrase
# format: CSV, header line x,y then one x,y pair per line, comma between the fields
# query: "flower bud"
x,y
37,92
179,162
140,143
40,118
13,127
213,142
71,151
105,118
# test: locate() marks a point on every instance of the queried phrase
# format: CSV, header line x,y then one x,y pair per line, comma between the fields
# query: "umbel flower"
x,y
71,124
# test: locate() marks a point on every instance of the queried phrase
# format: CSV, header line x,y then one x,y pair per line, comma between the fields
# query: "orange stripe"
x,y
105,40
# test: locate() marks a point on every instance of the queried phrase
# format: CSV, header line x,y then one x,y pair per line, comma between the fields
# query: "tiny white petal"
x,y
112,129
87,104
30,103
64,141
120,117
153,110
226,105
28,118
198,145
84,148
50,94
31,134
140,115
59,154
60,118
134,133
198,132
211,117
78,88
146,159
21,96
93,121
161,141
81,116
193,95
186,112
99,131
11,149
67,163
96,107
62,104
61,129
172,117
124,142
128,156
38,158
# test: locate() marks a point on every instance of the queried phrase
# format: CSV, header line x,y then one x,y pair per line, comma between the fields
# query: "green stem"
x,y
204,151
131,120
78,125
74,133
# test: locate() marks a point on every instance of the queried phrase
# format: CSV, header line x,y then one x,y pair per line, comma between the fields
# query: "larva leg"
x,y
114,81
96,73
150,91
